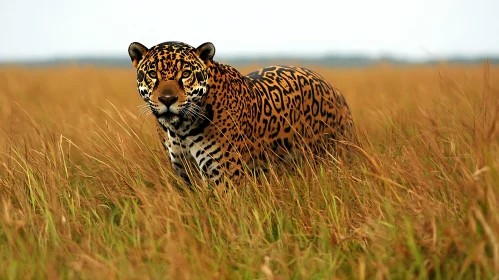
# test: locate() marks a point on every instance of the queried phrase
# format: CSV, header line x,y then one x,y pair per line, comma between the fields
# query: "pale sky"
x,y
39,29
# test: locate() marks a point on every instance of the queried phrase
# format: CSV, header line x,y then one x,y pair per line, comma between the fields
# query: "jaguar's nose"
x,y
167,100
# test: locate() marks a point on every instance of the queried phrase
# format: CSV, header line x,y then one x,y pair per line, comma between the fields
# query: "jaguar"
x,y
225,121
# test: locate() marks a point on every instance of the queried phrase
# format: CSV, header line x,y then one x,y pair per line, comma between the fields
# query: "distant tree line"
x,y
329,60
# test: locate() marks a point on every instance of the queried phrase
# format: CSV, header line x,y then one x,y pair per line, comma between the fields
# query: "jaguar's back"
x,y
297,106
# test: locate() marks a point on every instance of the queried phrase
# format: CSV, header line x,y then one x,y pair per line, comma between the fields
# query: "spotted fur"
x,y
223,120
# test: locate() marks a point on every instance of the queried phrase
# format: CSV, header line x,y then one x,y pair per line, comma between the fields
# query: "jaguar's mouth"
x,y
169,119
166,115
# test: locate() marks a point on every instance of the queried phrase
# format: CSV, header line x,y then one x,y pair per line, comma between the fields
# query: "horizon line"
x,y
267,56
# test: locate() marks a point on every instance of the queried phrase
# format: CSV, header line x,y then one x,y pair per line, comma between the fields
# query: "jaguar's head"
x,y
172,78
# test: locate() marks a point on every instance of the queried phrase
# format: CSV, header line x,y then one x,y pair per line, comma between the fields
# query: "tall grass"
x,y
86,190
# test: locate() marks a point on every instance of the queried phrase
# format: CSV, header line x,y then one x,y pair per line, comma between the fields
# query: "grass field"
x,y
86,190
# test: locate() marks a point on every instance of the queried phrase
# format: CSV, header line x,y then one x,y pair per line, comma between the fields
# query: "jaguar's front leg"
x,y
218,165
178,167
176,158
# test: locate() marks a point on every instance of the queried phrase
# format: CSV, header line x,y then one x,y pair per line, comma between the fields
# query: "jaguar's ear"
x,y
206,52
137,51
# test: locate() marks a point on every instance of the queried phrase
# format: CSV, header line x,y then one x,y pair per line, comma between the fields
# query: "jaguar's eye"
x,y
186,74
152,74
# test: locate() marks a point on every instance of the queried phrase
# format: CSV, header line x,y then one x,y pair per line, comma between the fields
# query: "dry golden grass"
x,y
86,190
